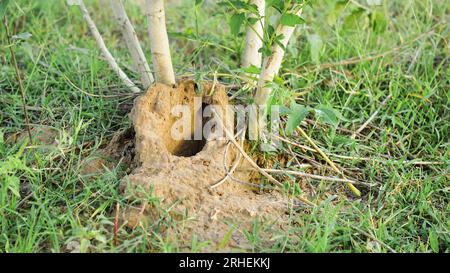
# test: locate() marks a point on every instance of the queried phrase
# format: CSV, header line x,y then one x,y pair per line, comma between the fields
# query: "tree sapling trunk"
x,y
132,42
254,38
159,41
271,65
104,50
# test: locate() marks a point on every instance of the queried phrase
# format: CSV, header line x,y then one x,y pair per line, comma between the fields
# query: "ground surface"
x,y
76,104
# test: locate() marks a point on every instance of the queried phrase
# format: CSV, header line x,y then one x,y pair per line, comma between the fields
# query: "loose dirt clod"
x,y
179,172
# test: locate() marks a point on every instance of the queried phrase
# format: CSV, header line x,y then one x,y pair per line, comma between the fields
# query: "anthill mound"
x,y
180,172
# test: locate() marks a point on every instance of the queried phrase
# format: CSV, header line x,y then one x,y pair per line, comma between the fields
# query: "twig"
x,y
294,143
359,158
132,41
314,176
116,223
19,79
104,50
408,162
230,137
371,117
301,166
250,184
230,172
327,159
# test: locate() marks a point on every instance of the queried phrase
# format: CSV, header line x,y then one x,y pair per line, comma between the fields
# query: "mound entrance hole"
x,y
191,147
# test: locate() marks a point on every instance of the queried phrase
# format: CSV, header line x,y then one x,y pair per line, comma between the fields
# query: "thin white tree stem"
x,y
159,41
271,65
253,41
132,42
104,50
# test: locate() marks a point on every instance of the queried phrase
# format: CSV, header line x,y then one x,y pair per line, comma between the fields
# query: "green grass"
x,y
45,203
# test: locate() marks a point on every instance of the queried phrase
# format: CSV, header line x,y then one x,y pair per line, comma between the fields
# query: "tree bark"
x,y
132,42
272,64
104,50
253,38
162,62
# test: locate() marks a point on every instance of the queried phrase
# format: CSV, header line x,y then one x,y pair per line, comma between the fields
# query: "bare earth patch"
x,y
180,172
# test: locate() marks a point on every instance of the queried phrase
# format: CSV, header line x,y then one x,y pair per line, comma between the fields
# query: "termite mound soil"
x,y
180,172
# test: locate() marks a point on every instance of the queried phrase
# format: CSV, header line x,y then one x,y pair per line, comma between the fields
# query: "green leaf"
x,y
252,20
333,16
276,4
3,6
84,245
236,23
198,2
13,184
226,238
297,191
101,238
379,22
285,110
265,50
328,115
290,19
252,70
434,243
278,40
297,115
357,18
187,33
278,80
